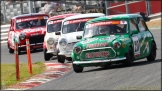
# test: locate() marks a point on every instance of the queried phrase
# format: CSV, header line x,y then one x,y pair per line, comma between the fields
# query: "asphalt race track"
x,y
142,75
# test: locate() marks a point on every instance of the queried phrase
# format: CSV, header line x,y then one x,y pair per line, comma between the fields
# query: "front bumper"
x,y
98,61
52,52
66,54
32,46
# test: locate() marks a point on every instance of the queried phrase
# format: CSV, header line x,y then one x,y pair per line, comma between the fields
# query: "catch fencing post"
x,y
29,56
17,61
127,7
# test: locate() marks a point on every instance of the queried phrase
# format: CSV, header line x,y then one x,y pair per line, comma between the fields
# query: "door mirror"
x,y
134,32
11,29
57,33
79,37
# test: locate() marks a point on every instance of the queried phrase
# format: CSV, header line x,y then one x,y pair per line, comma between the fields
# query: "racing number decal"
x,y
136,45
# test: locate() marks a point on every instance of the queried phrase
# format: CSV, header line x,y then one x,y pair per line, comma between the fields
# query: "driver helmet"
x,y
33,23
21,25
104,30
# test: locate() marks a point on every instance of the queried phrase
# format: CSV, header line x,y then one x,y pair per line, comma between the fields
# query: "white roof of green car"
x,y
84,16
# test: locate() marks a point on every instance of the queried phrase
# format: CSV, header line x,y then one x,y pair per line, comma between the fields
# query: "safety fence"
x,y
88,6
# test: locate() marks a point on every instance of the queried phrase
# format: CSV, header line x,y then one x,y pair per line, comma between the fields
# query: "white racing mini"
x,y
50,40
71,27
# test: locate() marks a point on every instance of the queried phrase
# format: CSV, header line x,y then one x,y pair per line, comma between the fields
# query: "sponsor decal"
x,y
146,48
33,30
109,38
34,34
54,22
125,39
142,43
45,17
89,40
123,22
123,45
76,21
97,45
105,23
29,19
97,54
109,17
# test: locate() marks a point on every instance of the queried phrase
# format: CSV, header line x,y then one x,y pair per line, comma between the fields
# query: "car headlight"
x,y
63,42
50,41
77,49
22,36
117,45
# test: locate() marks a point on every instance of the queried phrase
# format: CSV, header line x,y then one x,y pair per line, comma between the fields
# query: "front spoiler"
x,y
98,61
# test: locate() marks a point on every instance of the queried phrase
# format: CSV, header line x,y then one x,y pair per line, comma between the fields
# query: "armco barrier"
x,y
4,32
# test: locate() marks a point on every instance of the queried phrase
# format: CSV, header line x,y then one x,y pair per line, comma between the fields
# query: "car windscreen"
x,y
105,27
30,22
54,26
74,25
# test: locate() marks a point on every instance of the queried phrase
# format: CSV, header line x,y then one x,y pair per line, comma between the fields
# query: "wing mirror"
x,y
57,33
79,37
11,29
134,32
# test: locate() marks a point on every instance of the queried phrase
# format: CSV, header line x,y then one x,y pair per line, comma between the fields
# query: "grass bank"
x,y
8,72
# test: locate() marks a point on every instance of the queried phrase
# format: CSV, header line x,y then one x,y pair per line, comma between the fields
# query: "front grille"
x,y
98,53
69,46
36,39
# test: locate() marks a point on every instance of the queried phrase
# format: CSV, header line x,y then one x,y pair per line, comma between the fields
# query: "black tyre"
x,y
77,68
19,51
69,59
10,50
47,56
129,58
60,58
152,55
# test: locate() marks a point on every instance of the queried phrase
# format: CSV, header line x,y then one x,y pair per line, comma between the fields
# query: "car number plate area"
x,y
98,54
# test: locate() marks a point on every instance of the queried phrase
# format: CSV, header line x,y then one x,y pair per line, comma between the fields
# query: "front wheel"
x,y
60,58
47,56
129,58
77,68
152,55
10,50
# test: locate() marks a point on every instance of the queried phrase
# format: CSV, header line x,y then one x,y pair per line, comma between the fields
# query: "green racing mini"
x,y
113,39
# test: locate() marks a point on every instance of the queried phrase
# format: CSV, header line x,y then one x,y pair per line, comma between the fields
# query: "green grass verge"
x,y
8,72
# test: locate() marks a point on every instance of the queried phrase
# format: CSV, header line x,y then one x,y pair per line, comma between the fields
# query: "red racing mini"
x,y
31,26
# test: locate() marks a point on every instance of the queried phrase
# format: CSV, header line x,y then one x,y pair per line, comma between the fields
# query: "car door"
x,y
144,45
136,38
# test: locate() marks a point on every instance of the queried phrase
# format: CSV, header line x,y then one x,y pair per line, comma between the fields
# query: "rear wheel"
x,y
152,55
60,58
47,56
129,58
10,50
